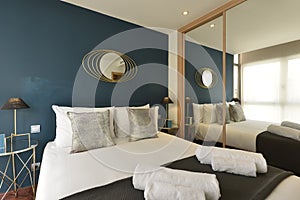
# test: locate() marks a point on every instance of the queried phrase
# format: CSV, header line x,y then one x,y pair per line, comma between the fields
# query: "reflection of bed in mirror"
x,y
240,132
241,135
250,135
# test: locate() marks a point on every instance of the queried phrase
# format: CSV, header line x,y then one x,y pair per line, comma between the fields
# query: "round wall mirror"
x,y
109,66
206,77
112,66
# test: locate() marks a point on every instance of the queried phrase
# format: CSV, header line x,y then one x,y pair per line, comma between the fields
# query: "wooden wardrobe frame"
x,y
218,12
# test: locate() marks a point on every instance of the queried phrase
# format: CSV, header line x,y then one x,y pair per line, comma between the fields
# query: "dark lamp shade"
x,y
237,100
166,100
14,103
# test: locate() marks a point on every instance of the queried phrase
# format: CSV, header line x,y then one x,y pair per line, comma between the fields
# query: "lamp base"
x,y
188,120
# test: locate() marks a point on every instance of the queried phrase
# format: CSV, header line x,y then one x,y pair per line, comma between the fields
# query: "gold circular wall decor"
x,y
109,66
206,77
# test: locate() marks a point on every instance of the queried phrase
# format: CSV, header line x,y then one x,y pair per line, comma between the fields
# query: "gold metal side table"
x,y
19,154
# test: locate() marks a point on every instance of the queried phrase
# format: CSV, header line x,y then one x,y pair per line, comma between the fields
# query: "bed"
x,y
66,173
63,174
74,168
241,135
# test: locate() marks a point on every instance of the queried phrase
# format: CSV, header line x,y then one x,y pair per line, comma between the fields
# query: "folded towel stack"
x,y
230,165
156,190
180,180
285,131
232,161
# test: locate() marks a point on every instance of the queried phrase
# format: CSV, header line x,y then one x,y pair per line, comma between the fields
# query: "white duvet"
x,y
63,174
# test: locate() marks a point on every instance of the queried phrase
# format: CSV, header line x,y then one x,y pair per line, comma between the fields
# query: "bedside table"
x,y
19,155
171,131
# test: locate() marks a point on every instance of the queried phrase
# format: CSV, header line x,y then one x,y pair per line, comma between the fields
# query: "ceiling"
x,y
151,13
255,24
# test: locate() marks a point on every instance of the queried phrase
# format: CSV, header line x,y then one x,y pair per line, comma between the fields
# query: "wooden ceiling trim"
x,y
210,16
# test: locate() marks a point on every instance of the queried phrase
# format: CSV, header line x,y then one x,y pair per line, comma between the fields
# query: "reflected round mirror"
x,y
206,78
109,66
112,66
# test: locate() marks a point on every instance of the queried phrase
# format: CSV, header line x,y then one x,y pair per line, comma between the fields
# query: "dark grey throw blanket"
x,y
232,186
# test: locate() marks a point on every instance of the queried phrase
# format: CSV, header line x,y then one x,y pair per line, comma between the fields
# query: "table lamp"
x,y
14,104
167,100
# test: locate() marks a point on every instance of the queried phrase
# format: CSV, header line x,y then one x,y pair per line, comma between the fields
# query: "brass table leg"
x,y
14,175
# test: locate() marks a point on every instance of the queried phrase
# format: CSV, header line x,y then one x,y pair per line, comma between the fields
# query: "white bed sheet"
x,y
241,135
63,174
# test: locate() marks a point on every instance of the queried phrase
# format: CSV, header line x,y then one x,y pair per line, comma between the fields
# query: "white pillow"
x,y
64,130
209,114
219,113
121,121
198,113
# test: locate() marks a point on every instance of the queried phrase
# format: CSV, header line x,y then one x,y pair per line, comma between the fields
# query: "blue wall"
x,y
42,44
198,56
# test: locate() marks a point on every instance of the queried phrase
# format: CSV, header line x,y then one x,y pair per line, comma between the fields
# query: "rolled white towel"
x,y
156,190
205,153
207,183
284,131
241,167
291,125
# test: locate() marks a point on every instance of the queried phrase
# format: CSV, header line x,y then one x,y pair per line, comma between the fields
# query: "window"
x,y
291,110
270,90
293,96
236,80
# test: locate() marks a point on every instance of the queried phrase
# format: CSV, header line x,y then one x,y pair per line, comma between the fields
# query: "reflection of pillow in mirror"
x,y
90,130
198,113
209,114
64,131
143,123
230,115
219,114
236,112
121,121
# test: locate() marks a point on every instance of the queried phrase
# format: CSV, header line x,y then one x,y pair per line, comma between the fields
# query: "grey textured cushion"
x,y
236,112
121,121
219,113
90,130
143,123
